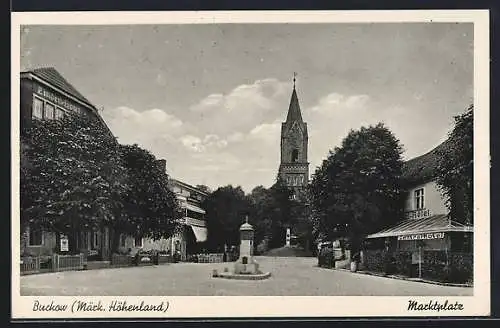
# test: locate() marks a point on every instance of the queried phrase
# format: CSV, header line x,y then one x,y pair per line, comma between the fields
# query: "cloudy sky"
x,y
210,98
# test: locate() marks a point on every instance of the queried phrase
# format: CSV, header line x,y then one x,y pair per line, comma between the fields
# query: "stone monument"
x,y
246,264
246,267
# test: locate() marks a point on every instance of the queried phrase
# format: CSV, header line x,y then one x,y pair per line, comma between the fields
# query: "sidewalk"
x,y
407,278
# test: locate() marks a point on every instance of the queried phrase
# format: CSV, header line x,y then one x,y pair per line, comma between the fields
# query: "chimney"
x,y
162,165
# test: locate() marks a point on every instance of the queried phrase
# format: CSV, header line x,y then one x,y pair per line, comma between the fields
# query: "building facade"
x,y
294,166
193,228
427,225
46,95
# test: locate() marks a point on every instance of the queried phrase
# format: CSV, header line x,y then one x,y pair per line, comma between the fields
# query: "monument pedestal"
x,y
245,268
246,265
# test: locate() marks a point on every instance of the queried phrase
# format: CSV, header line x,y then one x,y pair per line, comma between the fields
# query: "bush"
x,y
403,263
374,260
461,267
448,266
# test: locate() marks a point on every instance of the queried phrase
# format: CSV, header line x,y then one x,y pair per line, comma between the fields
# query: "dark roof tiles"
x,y
424,167
52,76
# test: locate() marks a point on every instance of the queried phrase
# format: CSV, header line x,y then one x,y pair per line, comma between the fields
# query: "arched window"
x,y
295,155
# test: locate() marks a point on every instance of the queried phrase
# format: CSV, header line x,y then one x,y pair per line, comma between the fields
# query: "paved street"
x,y
290,276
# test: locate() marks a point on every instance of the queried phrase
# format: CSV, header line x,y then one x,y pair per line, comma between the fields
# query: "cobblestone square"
x,y
291,276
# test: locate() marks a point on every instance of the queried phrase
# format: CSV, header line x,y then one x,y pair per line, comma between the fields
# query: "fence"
x,y
30,265
54,263
67,262
428,264
210,258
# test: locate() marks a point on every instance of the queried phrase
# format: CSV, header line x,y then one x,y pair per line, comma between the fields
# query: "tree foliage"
x,y
72,176
226,209
456,168
151,207
357,189
75,177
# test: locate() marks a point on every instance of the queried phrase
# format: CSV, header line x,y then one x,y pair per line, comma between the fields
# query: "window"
x,y
295,155
59,113
419,199
35,237
138,242
49,111
37,108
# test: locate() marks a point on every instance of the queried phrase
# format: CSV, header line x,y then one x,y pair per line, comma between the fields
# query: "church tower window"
x,y
295,155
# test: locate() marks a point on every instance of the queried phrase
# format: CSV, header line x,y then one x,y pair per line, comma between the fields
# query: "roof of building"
x,y
294,113
187,185
52,76
424,167
432,224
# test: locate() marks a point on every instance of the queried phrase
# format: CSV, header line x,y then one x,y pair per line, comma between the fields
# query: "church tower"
x,y
294,168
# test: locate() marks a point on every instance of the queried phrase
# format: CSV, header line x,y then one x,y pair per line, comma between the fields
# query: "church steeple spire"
x,y
294,113
294,167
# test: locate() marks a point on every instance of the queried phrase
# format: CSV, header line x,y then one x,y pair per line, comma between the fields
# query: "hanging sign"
x,y
422,236
64,243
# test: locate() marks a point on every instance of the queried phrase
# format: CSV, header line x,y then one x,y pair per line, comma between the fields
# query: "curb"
x,y
368,273
261,276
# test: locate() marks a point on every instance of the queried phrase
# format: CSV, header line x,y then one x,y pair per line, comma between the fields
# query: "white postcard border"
x,y
277,306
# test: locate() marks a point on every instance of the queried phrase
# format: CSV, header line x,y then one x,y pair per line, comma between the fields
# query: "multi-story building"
x,y
193,228
46,95
427,224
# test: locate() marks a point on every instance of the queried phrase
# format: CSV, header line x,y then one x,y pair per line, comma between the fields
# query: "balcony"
x,y
418,214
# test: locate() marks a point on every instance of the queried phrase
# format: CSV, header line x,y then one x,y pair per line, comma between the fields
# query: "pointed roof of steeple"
x,y
294,109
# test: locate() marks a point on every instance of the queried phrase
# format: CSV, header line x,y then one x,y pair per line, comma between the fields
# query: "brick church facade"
x,y
294,167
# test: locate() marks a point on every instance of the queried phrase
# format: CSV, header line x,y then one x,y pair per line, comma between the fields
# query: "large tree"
x,y
151,207
226,209
357,189
456,168
72,177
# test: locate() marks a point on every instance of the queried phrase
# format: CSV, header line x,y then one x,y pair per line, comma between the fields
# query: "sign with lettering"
x,y
422,236
288,236
64,243
56,99
418,214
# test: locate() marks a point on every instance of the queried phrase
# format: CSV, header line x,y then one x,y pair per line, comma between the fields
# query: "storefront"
x,y
434,247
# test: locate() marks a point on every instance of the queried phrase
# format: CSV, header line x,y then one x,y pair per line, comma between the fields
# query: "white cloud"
x,y
192,143
238,138
242,108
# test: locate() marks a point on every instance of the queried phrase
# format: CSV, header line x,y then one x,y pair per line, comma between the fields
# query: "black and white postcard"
x,y
250,164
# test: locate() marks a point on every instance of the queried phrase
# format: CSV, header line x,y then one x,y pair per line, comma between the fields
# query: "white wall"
x,y
433,199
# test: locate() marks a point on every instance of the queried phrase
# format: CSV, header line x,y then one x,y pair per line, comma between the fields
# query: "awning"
x,y
433,224
195,208
200,233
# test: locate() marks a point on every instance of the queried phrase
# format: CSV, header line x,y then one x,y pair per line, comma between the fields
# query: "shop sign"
x,y
422,236
58,100
418,214
64,243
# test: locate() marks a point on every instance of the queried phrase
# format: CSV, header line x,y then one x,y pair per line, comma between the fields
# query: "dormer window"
x,y
295,155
